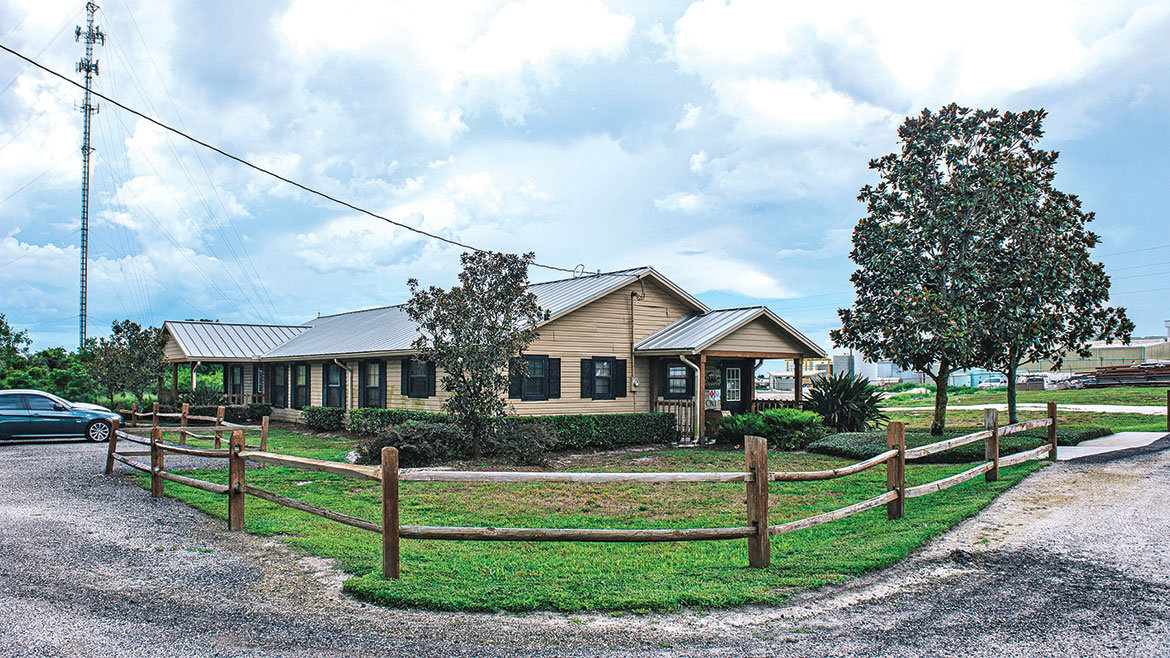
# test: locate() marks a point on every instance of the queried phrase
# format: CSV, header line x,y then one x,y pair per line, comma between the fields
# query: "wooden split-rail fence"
x,y
756,476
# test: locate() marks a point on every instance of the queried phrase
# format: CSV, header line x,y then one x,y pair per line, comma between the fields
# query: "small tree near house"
x,y
472,332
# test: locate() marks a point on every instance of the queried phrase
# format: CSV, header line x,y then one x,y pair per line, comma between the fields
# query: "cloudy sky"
x,y
722,142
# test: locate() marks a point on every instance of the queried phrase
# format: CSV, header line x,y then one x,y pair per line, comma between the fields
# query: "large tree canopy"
x,y
1043,295
473,331
922,246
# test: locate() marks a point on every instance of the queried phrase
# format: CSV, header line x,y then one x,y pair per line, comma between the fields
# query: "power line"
x,y
262,170
1116,253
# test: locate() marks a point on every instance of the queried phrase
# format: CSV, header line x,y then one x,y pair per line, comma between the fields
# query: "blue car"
x,y
27,414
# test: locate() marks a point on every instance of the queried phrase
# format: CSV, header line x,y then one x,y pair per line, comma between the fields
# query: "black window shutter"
x,y
362,402
515,381
406,376
619,378
324,384
382,379
554,378
308,385
586,378
690,382
226,388
430,378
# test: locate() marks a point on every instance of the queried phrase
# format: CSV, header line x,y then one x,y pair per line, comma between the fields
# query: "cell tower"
x,y
89,66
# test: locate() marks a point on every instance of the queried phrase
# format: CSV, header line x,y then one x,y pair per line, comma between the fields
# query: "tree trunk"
x,y
940,398
1012,366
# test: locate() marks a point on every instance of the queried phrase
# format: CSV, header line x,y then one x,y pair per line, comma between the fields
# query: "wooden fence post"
x,y
236,482
896,470
390,513
991,444
112,448
218,427
1052,438
264,434
156,462
154,415
183,424
755,450
133,414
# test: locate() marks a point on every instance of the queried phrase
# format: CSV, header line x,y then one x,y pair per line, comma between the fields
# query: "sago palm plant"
x,y
847,403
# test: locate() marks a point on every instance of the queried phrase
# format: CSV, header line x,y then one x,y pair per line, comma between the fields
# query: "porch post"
x,y
797,380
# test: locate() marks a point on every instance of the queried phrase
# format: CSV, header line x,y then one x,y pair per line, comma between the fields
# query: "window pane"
x,y
278,376
418,368
536,369
733,392
11,402
334,376
300,375
677,371
534,386
601,368
373,374
601,386
39,403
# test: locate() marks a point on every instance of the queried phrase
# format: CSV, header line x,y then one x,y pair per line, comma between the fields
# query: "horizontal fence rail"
x,y
755,477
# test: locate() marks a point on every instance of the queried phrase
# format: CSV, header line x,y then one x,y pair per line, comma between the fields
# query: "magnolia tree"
x,y
472,332
921,249
1043,295
131,359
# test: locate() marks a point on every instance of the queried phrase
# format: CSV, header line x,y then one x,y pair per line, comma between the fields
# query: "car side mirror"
x,y
58,407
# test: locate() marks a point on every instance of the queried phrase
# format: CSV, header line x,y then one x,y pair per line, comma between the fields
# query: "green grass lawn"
x,y
920,420
524,576
1136,395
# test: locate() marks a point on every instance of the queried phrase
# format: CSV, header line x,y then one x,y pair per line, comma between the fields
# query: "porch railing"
x,y
684,414
761,405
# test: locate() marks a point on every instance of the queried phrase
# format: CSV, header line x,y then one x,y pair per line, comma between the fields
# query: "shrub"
x,y
373,421
847,403
203,395
785,429
520,441
418,442
324,419
578,431
863,445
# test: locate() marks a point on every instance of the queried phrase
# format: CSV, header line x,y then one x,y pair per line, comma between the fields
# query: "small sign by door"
x,y
712,399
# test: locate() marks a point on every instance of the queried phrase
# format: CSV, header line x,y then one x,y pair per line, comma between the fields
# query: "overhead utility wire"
x,y
262,170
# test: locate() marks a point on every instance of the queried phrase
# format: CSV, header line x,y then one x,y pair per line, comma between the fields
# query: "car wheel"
x,y
97,431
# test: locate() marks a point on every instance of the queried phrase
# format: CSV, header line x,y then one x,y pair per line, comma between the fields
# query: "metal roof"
x,y
388,329
224,340
383,329
695,331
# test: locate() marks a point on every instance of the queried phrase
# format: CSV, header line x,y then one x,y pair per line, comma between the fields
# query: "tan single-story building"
x,y
615,342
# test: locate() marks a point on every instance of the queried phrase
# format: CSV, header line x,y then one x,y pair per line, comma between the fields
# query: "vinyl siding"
x,y
757,336
602,328
172,351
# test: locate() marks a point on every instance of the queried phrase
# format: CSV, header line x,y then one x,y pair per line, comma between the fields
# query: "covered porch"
x,y
704,366
236,348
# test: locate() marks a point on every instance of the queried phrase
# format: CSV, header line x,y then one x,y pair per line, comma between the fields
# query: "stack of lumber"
x,y
1145,374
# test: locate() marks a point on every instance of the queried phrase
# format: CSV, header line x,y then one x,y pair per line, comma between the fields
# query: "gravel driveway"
x,y
1075,561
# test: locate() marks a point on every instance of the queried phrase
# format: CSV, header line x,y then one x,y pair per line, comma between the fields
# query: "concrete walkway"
x,y
1146,410
1111,443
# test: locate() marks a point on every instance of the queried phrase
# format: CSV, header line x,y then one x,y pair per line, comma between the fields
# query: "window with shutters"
x,y
418,378
334,385
603,378
534,377
300,385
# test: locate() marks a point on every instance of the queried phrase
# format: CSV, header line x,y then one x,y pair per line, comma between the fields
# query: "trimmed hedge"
x,y
372,421
243,414
324,419
785,429
863,445
610,430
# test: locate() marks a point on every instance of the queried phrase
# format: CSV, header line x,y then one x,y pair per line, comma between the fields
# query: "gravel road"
x,y
1075,561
